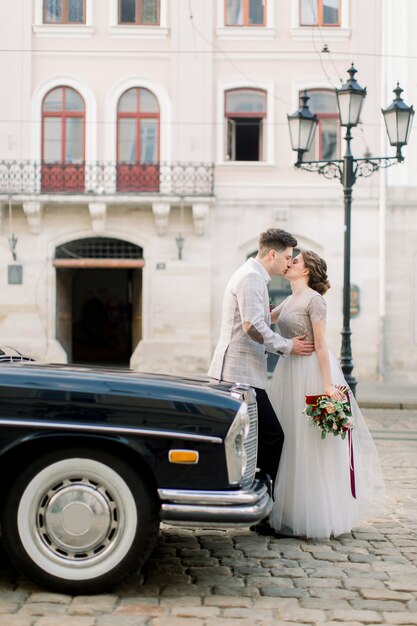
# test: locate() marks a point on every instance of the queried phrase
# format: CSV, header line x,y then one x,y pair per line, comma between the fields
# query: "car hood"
x,y
97,379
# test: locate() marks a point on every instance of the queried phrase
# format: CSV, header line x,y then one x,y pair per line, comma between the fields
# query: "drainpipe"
x,y
382,210
385,68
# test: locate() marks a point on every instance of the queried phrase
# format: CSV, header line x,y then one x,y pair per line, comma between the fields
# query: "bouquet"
x,y
332,416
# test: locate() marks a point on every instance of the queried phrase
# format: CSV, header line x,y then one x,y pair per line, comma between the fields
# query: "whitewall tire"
x,y
79,520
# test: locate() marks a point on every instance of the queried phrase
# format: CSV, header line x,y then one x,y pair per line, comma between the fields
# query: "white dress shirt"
x,y
237,357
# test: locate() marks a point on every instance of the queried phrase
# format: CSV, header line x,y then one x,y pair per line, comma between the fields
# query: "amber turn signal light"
x,y
183,456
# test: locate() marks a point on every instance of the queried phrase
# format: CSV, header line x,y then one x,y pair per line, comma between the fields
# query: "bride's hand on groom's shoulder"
x,y
301,347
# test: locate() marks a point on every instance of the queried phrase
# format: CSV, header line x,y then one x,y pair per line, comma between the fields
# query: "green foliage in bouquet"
x,y
332,416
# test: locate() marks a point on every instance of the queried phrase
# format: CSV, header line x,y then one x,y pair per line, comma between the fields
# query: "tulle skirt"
x,y
313,494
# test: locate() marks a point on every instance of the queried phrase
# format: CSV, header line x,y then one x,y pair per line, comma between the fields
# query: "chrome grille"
x,y
247,394
251,444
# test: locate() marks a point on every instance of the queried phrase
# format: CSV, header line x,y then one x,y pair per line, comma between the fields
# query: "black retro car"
x,y
93,459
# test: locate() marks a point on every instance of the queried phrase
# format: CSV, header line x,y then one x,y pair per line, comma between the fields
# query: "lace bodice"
x,y
297,312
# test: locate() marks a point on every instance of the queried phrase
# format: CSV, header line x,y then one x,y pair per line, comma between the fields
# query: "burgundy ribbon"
x,y
351,465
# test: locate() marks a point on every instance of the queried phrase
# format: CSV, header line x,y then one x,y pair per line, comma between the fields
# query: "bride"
x,y
313,493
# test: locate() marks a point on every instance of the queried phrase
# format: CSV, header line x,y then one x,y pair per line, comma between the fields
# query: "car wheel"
x,y
77,521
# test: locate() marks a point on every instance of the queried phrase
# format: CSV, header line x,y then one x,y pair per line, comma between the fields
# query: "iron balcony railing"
x,y
38,177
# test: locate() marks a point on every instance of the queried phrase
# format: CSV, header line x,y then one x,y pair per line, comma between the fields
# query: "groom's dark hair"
x,y
275,239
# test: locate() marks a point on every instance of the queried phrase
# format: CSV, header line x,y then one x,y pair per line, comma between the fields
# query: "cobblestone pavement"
x,y
222,578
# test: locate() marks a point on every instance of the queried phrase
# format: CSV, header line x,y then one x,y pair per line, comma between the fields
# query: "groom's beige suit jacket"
x,y
238,358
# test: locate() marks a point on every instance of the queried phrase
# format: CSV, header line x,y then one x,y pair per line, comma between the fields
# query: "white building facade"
x,y
144,146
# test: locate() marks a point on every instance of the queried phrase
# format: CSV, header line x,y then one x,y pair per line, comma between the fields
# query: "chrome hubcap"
x,y
77,519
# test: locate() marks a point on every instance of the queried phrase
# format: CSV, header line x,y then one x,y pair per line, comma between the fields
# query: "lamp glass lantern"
x,y
302,125
350,98
398,120
180,244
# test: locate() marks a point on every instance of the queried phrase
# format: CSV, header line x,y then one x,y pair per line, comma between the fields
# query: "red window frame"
x,y
320,12
138,176
323,116
63,176
244,115
245,15
64,13
138,13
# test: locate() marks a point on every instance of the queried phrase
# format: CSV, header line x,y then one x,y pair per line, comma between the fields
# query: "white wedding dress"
x,y
313,494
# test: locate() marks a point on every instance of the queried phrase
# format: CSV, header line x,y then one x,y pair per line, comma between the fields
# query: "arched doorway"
x,y
99,300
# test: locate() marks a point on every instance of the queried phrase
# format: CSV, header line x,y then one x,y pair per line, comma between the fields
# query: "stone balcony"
x,y
100,184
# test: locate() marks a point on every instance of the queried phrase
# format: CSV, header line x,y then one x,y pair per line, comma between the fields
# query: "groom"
x,y
245,337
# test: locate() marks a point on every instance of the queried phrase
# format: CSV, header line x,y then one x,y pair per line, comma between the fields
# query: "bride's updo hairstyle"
x,y
317,271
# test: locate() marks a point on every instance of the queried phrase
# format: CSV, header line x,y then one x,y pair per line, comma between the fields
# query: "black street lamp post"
x,y
302,124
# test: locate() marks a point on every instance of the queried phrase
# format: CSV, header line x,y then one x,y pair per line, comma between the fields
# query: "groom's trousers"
x,y
270,436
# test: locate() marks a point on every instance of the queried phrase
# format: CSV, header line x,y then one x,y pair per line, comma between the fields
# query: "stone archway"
x,y
99,299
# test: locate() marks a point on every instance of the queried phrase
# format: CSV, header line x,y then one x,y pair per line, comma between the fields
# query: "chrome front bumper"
x,y
215,508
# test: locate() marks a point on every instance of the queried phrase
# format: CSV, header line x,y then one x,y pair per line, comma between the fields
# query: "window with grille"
x,y
98,248
64,11
320,12
140,12
245,112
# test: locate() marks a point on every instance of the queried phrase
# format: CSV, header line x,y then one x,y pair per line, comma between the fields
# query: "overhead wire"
x,y
224,53
314,13
319,29
328,53
304,52
216,48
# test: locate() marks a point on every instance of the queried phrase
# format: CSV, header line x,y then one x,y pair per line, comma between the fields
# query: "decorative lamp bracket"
x,y
328,169
366,167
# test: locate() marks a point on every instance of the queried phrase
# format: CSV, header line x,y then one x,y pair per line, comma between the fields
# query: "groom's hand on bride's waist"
x,y
301,347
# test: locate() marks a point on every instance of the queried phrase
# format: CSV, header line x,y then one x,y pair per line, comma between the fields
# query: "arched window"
x,y
320,12
138,141
63,140
245,111
326,146
245,12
